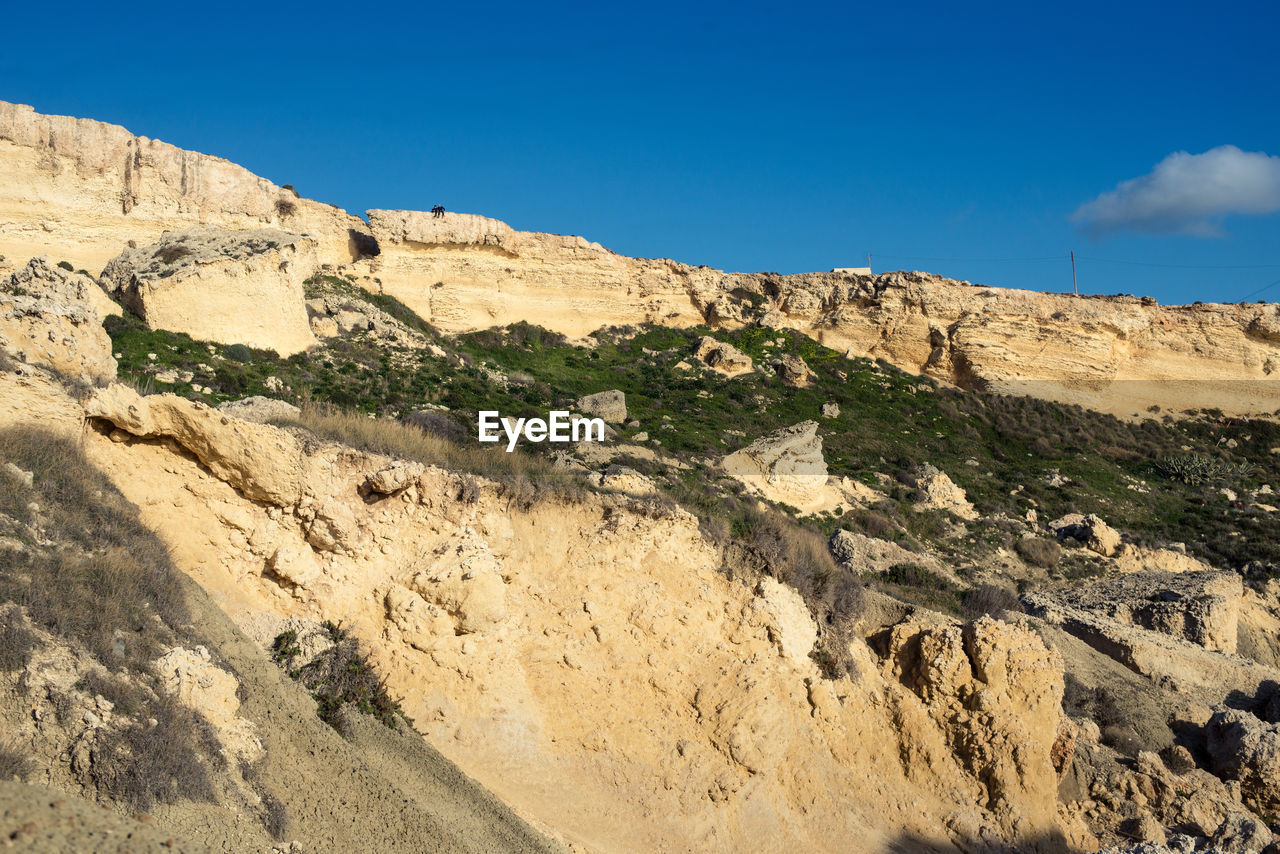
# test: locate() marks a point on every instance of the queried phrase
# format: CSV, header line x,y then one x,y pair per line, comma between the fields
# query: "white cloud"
x,y
1188,194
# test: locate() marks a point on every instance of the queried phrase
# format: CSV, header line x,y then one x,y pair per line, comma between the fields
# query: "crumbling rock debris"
x,y
395,477
1090,530
49,317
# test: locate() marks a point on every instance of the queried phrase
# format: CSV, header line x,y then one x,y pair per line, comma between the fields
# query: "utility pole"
x,y
1074,286
868,260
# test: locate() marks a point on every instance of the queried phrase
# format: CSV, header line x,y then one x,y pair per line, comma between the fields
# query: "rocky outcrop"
x,y
996,691
1241,747
1090,531
608,405
861,553
260,409
792,370
786,466
722,356
1117,354
936,491
234,287
262,462
1202,608
50,317
1168,659
547,650
80,190
420,229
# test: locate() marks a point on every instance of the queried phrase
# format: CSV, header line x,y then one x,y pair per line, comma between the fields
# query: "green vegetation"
x,y
1010,454
340,678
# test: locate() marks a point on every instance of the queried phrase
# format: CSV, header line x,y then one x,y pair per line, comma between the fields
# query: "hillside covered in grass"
x,y
1161,480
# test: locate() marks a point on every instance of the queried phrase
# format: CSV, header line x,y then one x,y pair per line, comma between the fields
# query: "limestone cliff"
x,y
1118,354
589,661
81,190
234,287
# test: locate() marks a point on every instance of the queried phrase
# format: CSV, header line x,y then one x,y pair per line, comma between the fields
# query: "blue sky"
x,y
957,138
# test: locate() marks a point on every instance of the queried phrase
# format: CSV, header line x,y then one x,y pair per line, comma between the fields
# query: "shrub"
x,y
437,424
285,207
1039,551
339,678
275,818
172,254
1194,469
16,640
66,265
238,353
989,599
13,762
142,765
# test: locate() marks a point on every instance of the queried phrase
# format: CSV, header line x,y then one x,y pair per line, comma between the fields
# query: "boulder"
x,y
234,287
1240,834
722,356
785,466
259,409
395,477
609,405
1202,608
830,409
50,317
936,491
1242,747
792,370
628,480
868,554
1090,530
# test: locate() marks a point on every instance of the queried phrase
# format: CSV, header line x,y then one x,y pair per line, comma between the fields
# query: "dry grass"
x,y
16,640
13,762
525,478
109,576
1039,551
142,764
100,584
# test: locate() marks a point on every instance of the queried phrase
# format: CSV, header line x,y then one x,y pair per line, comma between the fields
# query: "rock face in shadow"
x,y
234,287
1202,608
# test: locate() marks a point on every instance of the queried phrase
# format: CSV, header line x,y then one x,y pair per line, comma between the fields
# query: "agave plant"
x,y
1195,469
